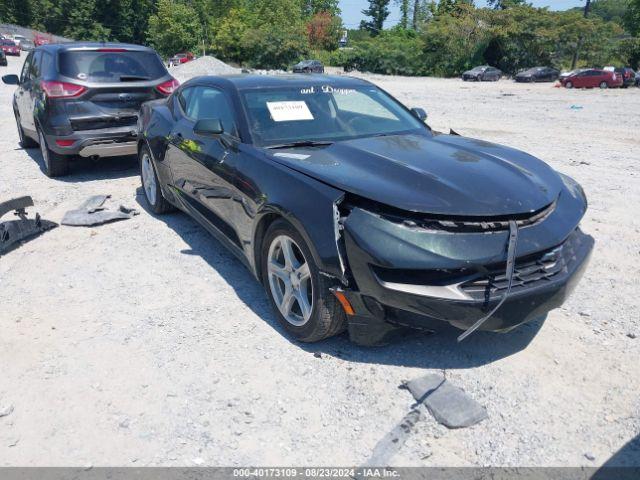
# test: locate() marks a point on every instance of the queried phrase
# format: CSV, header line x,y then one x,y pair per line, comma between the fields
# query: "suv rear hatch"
x,y
107,86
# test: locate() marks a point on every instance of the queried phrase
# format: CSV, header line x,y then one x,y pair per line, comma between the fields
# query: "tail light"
x,y
168,87
65,142
62,89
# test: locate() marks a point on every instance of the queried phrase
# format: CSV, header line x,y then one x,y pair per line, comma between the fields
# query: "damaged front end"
x,y
409,269
15,231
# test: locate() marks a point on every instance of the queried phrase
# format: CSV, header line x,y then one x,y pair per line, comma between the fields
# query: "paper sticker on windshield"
x,y
289,111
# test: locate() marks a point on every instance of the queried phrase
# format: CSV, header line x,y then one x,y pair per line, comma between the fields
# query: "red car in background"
x,y
9,47
42,40
592,78
180,58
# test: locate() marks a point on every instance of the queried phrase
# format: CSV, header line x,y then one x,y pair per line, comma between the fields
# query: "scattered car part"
x,y
13,232
448,404
92,212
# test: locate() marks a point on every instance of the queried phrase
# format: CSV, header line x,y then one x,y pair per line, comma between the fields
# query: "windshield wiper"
x,y
302,143
133,78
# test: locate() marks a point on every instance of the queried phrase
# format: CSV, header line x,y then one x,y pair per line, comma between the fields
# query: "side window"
x,y
25,68
34,71
47,63
208,102
183,98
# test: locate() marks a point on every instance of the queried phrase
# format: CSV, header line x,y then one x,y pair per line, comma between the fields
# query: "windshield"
x,y
324,113
109,66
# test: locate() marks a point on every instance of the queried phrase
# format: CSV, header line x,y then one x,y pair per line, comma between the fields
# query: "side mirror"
x,y
208,127
11,79
419,113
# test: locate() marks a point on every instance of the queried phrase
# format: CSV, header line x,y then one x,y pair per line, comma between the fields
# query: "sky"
x,y
351,9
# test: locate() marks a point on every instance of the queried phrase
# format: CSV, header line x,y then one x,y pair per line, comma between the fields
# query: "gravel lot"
x,y
144,342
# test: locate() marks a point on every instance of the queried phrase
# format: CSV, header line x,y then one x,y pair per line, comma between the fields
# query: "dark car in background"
x,y
483,73
628,76
83,99
9,47
637,79
354,214
592,78
308,66
3,59
538,74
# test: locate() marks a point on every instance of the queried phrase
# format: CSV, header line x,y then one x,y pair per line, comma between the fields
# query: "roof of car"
x,y
92,46
249,81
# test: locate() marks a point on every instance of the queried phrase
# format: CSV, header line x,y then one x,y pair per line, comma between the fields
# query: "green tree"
x,y
311,7
378,11
632,17
83,21
504,4
174,28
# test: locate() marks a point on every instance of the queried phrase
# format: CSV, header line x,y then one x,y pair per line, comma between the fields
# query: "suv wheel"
x,y
55,165
299,295
569,85
25,142
604,85
151,185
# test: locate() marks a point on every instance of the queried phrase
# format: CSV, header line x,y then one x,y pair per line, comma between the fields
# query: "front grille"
x,y
528,272
107,122
488,224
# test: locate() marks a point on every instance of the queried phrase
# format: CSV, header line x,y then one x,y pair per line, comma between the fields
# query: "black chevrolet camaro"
x,y
354,214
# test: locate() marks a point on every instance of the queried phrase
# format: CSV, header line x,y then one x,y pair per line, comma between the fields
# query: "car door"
x,y
203,167
33,92
581,80
22,90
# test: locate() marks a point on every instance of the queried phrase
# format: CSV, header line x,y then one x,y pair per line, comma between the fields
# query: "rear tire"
x,y
279,276
55,165
151,184
25,142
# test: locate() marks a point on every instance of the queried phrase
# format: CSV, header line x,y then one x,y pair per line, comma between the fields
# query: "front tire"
x,y
151,184
604,85
55,165
569,85
299,295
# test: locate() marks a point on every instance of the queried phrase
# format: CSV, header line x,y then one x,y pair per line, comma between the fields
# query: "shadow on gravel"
x,y
623,465
85,169
415,349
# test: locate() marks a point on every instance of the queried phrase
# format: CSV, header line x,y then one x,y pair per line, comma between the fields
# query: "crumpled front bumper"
x,y
374,245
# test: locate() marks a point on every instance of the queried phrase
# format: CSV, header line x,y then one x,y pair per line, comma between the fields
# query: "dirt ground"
x,y
144,342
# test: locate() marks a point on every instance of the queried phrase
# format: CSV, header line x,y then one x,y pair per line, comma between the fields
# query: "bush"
x,y
393,52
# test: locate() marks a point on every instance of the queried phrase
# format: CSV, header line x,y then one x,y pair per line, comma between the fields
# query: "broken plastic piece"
x,y
93,212
13,232
346,306
448,404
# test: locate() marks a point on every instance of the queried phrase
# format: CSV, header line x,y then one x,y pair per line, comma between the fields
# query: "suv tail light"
x,y
61,89
167,88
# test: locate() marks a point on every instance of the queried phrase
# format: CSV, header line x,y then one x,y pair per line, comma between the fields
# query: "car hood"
x,y
440,174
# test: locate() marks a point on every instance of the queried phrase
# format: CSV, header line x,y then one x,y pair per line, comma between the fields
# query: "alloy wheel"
x,y
148,178
290,280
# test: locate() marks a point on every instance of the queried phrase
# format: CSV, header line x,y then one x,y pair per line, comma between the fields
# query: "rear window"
x,y
109,67
9,43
